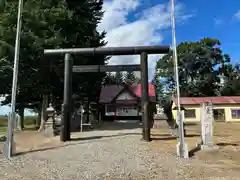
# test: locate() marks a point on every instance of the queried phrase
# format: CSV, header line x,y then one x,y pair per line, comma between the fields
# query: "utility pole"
x,y
9,146
182,149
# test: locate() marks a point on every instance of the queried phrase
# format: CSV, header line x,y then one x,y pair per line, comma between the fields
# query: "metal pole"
x,y
66,107
182,146
145,97
9,146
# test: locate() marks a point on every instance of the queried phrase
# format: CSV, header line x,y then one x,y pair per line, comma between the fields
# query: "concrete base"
x,y
208,147
9,150
159,124
49,131
49,126
185,151
175,133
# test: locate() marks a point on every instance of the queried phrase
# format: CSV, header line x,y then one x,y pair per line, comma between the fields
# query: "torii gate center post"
x,y
143,51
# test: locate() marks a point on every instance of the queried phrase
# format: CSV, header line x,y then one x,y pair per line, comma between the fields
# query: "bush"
x,y
3,121
28,120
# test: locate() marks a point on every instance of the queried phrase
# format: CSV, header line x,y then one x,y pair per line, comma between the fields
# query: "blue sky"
x,y
146,22
217,19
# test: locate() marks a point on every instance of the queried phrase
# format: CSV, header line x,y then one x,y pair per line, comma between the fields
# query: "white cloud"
x,y
218,21
145,29
237,15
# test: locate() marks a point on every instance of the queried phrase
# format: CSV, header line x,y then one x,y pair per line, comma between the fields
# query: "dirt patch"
x,y
27,141
226,138
223,163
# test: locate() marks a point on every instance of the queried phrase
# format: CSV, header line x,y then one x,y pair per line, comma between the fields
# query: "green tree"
x,y
109,79
50,24
200,68
39,31
231,80
138,80
53,24
119,78
159,89
130,77
86,16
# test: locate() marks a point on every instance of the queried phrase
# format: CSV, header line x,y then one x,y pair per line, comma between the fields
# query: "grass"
x,y
29,121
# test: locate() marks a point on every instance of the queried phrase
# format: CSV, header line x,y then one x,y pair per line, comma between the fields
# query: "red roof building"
x,y
213,100
225,108
110,92
124,100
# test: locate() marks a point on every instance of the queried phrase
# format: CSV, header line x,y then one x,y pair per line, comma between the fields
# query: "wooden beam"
x,y
108,68
130,50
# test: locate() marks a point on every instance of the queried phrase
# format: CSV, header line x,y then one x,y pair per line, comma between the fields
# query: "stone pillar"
x,y
206,125
57,124
18,122
159,118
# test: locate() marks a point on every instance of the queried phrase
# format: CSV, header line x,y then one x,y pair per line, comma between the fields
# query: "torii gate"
x,y
143,51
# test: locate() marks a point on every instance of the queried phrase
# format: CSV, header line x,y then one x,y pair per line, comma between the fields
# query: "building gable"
x,y
125,96
110,93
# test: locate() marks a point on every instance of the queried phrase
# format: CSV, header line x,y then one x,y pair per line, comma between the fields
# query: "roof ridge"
x,y
230,99
208,97
213,99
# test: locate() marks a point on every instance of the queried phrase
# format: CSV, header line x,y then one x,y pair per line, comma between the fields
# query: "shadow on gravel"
x,y
100,137
81,140
119,125
222,144
164,138
111,126
169,137
192,152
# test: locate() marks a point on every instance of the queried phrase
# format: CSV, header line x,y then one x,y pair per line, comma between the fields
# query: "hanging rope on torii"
x,y
143,51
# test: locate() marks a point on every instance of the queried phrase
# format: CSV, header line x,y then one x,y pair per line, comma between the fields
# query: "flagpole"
x,y
9,146
182,149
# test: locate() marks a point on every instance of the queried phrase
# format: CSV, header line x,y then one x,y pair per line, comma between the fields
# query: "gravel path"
x,y
119,155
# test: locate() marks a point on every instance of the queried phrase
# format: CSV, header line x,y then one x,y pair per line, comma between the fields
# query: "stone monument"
x,y
159,118
50,123
206,125
18,122
75,120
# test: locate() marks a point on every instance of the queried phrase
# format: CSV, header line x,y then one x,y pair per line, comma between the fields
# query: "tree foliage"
x,y
116,78
130,77
159,89
201,66
231,81
50,24
38,32
109,79
120,78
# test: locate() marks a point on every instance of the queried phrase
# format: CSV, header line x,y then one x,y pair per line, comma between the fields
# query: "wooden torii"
x,y
143,51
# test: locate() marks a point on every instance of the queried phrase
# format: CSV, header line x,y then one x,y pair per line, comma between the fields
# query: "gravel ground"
x,y
118,155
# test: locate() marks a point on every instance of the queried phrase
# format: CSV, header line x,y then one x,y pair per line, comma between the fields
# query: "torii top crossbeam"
x,y
131,50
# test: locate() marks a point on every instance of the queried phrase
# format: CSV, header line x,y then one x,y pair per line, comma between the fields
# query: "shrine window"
x,y
235,113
